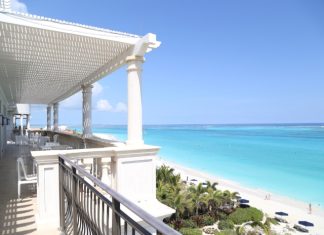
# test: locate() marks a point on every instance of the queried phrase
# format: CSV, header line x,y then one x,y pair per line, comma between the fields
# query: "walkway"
x,y
17,216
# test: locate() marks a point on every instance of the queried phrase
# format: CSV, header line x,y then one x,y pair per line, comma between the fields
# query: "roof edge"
x,y
43,18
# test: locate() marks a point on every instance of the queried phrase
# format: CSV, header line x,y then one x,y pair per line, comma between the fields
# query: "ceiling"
x,y
43,61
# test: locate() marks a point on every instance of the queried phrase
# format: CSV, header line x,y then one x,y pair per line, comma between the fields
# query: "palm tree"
x,y
165,193
196,194
211,185
182,204
213,199
166,175
229,197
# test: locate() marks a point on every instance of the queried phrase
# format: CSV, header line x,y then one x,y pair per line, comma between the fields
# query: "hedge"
x,y
188,223
225,224
208,220
242,215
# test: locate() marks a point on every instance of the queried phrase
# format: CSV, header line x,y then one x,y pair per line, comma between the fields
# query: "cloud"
x,y
97,89
103,105
18,6
73,102
121,107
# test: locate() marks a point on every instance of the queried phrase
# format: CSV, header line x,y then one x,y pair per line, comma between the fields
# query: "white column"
x,y
14,121
49,117
56,107
86,110
28,123
21,124
134,69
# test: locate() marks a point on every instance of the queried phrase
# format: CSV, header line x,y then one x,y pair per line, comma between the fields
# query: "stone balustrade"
x,y
130,170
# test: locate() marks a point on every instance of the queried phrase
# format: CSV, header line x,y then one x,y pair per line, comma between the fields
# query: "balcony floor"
x,y
17,216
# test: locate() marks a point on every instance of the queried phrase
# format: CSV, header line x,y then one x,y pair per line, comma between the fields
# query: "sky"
x,y
223,61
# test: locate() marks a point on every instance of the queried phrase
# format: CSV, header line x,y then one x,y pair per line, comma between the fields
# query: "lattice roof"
x,y
43,61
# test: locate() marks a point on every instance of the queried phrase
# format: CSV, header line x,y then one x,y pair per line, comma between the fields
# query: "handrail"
x,y
145,216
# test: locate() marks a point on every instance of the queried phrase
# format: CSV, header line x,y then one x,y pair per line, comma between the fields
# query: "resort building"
x,y
84,185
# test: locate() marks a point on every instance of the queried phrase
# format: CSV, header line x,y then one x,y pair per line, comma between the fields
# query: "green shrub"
x,y
190,231
177,224
226,232
198,219
208,220
222,216
188,223
225,224
242,215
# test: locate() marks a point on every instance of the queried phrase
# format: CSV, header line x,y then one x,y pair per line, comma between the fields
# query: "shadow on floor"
x,y
17,216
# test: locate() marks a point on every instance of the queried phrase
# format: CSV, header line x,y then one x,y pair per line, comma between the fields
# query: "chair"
x,y
42,140
21,140
23,177
281,220
55,137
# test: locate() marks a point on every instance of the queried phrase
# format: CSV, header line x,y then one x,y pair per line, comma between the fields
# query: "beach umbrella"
x,y
306,223
243,201
281,213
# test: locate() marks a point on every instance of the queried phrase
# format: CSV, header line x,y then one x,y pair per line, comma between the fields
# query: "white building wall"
x,y
23,108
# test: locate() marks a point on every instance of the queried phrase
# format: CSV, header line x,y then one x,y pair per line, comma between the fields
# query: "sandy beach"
x,y
297,210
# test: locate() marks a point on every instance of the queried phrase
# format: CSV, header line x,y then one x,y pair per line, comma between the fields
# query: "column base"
x,y
87,135
135,142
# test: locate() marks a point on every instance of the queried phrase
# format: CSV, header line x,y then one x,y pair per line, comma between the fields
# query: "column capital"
x,y
134,58
86,87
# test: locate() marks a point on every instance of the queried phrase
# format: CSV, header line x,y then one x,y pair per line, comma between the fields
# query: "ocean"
x,y
284,159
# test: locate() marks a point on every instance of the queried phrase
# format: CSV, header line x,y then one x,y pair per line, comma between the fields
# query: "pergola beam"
x,y
145,45
142,46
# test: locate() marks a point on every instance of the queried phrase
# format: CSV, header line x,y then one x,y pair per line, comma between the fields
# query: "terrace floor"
x,y
17,216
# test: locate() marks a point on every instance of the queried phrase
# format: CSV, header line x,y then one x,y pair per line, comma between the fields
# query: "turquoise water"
x,y
284,159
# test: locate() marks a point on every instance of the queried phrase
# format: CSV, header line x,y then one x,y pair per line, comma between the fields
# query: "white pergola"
x,y
44,61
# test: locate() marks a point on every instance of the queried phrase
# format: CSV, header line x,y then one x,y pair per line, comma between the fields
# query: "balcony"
x,y
102,190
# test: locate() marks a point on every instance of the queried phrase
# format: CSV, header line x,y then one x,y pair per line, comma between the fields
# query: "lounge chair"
x,y
281,220
300,228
